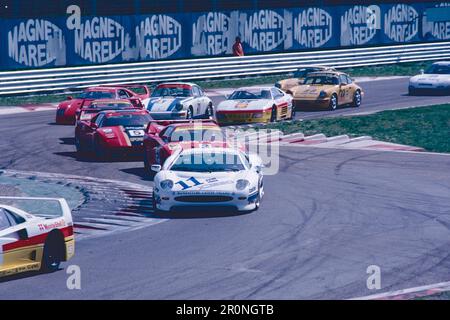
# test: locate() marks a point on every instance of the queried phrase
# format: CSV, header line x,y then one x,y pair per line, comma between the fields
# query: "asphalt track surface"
x,y
326,216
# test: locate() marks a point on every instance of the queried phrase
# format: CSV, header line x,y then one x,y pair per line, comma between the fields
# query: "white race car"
x,y
206,177
255,104
35,234
171,101
436,79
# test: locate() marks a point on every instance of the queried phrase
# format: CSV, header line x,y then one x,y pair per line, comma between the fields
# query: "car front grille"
x,y
200,199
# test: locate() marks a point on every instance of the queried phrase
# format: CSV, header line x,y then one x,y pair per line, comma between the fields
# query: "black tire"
x,y
54,252
100,152
292,113
333,102
412,92
273,115
357,98
190,113
209,112
80,146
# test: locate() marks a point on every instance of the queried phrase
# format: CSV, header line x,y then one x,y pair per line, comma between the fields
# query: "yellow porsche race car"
x,y
35,234
328,90
299,77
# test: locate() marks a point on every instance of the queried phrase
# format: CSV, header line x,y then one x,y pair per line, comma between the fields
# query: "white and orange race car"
x,y
36,234
255,104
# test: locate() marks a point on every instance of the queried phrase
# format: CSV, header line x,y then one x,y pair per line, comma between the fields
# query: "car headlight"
x,y
107,130
179,107
241,184
166,184
322,94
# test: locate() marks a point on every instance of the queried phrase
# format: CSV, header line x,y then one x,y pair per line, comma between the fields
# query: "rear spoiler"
x,y
63,206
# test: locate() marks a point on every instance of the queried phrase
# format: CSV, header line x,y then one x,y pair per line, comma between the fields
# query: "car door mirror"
x,y
155,167
69,98
94,125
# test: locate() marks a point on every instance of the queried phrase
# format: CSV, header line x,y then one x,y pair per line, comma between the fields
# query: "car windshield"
x,y
172,91
127,120
97,95
438,69
208,161
250,94
111,106
322,79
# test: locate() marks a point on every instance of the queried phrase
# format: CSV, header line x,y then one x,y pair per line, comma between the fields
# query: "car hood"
x,y
431,78
310,91
162,104
244,105
206,182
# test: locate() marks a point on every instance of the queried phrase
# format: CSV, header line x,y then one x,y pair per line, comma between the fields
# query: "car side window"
x,y
349,80
4,221
167,134
99,120
277,94
122,94
200,91
343,79
13,218
195,92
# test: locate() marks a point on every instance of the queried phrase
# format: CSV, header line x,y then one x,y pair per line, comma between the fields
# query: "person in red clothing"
x,y
238,51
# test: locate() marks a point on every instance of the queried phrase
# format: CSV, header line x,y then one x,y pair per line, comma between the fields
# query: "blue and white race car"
x,y
171,101
209,177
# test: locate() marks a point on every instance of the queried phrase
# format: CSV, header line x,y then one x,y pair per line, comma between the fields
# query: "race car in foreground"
x,y
330,89
35,234
179,101
162,139
113,132
434,80
66,113
299,77
255,104
209,177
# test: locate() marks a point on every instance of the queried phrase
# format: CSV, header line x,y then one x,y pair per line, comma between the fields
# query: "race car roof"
x,y
254,88
326,72
442,63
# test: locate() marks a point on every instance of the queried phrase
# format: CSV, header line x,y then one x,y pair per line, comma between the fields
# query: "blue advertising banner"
x,y
75,39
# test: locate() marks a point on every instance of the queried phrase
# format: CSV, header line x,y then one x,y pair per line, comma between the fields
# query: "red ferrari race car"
x,y
162,138
138,95
113,132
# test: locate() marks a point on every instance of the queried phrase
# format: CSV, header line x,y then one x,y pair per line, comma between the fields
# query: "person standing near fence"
x,y
238,51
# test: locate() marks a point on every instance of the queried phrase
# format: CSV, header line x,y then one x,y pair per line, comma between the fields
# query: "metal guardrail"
x,y
59,79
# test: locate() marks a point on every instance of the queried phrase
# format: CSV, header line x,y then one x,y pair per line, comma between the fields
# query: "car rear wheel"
x,y
357,99
53,253
333,102
292,113
209,113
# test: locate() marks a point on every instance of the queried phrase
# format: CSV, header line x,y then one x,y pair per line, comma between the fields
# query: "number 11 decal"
x,y
192,183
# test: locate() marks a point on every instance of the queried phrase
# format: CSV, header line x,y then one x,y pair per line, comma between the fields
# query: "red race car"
x,y
111,132
67,110
162,138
